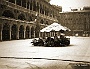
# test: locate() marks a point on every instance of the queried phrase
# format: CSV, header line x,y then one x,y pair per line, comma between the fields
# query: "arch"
x,y
8,13
12,1
21,32
27,31
37,7
31,4
24,3
46,11
6,32
32,32
21,17
43,8
34,6
18,2
40,8
28,4
14,32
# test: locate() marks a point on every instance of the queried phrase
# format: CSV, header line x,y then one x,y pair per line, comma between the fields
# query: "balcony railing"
x,y
15,20
12,5
48,17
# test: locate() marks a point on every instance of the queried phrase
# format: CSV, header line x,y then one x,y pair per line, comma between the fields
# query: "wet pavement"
x,y
21,54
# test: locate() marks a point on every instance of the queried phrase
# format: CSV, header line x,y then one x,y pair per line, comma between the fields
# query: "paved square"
x,y
20,54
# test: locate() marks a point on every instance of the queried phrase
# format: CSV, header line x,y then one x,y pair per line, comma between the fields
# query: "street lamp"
x,y
37,30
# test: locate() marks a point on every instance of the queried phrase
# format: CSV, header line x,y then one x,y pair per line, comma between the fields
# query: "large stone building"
x,y
23,19
48,0
77,20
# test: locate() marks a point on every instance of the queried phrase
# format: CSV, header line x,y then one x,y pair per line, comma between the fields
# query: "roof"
x,y
55,27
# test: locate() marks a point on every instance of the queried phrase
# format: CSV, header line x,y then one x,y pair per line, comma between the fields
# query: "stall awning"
x,y
55,27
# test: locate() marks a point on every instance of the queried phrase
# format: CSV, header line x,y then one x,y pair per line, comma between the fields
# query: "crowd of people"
x,y
51,42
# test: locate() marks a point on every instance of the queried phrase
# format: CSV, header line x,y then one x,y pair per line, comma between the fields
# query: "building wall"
x,y
77,21
21,19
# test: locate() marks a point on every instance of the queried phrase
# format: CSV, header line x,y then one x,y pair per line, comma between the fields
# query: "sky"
x,y
67,4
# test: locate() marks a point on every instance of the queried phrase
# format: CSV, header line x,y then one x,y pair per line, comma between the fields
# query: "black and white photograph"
x,y
44,34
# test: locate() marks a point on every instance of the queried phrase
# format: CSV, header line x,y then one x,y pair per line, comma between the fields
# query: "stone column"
x,y
10,32
15,2
44,12
36,7
32,6
21,2
24,34
34,34
26,3
30,33
0,35
50,34
49,13
29,7
45,34
40,34
39,8
1,28
18,33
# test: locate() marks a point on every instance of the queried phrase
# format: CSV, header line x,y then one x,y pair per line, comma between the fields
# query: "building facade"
x,y
23,19
77,20
48,0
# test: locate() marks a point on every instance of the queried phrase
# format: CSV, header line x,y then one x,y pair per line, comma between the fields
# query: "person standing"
x,y
56,40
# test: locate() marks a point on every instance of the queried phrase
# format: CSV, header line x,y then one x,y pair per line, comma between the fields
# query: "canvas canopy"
x,y
55,27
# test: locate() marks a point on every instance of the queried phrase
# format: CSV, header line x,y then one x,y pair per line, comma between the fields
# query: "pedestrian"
x,y
56,40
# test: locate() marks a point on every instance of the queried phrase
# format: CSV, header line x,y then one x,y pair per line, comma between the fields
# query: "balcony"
x,y
20,21
12,5
47,17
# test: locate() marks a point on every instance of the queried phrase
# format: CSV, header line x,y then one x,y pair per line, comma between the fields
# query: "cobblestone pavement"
x,y
21,54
